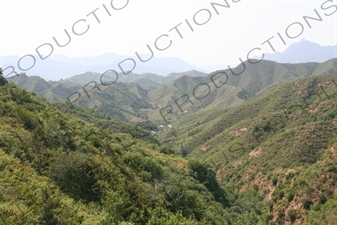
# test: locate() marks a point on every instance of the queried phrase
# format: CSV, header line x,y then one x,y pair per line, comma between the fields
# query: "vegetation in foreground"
x,y
56,168
270,160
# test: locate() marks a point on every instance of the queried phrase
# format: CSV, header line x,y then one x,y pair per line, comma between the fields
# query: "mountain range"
x,y
302,52
254,151
146,97
58,67
282,144
252,144
79,167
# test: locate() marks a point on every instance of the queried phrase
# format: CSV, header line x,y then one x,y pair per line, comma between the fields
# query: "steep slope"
x,y
88,77
282,144
59,169
122,101
128,102
53,91
147,84
260,77
83,79
148,76
146,99
222,88
31,83
270,160
191,73
191,94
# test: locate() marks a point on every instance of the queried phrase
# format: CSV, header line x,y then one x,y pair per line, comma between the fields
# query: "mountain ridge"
x,y
58,67
220,88
269,160
303,52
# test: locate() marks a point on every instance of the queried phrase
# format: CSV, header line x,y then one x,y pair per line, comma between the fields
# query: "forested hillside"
x,y
61,168
270,159
143,97
281,144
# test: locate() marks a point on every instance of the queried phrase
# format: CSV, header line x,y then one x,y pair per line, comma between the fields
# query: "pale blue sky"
x,y
25,25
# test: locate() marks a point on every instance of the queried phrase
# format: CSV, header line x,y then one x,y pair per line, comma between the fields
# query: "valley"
x,y
168,112
255,144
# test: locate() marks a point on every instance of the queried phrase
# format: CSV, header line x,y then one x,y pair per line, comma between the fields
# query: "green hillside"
x,y
260,77
125,101
122,101
234,158
191,97
52,91
145,97
147,84
62,168
83,79
222,88
281,144
191,73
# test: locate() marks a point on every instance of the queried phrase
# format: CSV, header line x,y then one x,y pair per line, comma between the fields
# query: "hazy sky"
x,y
26,25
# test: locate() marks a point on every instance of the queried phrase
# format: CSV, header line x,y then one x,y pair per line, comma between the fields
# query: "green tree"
x,y
205,175
3,81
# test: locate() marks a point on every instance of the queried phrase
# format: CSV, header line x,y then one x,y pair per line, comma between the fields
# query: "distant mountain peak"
x,y
303,43
304,51
306,41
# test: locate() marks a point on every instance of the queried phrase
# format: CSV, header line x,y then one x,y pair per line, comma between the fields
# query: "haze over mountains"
x,y
58,67
302,52
255,144
255,160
